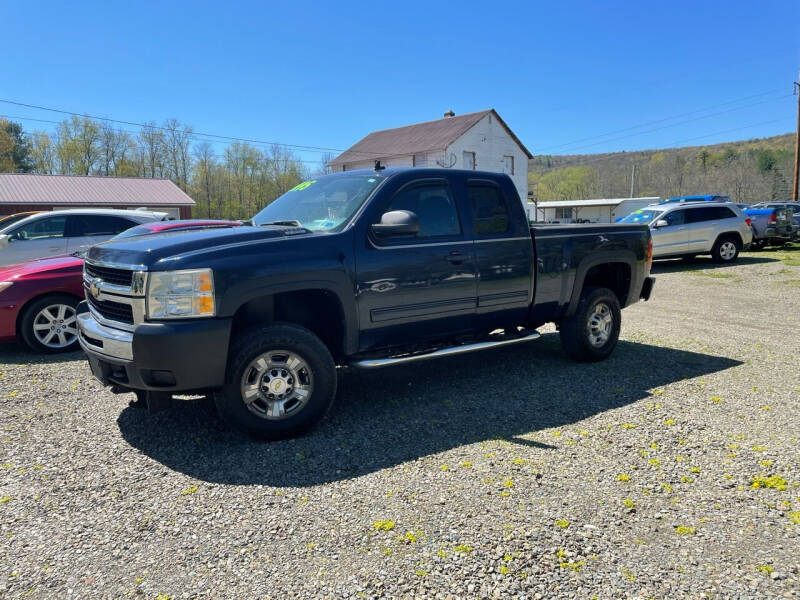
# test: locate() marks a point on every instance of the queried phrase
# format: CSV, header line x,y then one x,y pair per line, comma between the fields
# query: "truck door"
x,y
503,255
412,288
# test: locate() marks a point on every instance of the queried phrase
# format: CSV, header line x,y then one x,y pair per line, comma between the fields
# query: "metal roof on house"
x,y
597,202
58,190
420,137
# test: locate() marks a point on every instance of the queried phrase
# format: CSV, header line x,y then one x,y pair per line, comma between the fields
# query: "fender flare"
x,y
612,256
337,288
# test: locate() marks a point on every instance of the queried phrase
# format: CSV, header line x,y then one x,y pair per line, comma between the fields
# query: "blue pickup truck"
x,y
364,269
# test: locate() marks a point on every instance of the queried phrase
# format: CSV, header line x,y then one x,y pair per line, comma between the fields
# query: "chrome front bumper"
x,y
100,339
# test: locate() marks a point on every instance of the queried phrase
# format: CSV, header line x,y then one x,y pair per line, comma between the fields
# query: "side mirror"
x,y
4,240
396,222
661,223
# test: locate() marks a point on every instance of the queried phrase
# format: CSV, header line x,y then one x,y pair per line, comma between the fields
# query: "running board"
x,y
374,363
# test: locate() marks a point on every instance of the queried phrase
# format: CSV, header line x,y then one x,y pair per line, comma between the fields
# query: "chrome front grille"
x,y
120,277
113,311
115,293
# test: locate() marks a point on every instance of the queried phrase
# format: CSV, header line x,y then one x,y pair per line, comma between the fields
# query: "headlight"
x,y
5,284
180,294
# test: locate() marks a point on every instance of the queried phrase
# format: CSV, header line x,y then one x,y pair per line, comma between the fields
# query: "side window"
x,y
723,212
434,206
52,227
97,225
698,215
489,210
676,217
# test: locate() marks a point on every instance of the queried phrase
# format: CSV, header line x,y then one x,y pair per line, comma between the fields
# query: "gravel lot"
x,y
671,470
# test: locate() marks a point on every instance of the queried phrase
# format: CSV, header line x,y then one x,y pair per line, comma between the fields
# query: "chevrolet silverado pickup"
x,y
360,269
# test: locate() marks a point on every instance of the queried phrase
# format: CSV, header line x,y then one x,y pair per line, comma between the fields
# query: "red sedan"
x,y
38,298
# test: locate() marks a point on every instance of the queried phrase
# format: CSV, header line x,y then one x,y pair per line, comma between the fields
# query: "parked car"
x,y
793,206
771,226
6,220
66,231
705,198
38,298
360,268
686,230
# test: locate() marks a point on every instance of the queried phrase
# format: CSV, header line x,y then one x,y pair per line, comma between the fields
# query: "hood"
x,y
148,250
52,265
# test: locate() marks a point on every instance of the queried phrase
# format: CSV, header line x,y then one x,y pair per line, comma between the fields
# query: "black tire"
x,y
318,375
32,316
726,249
577,335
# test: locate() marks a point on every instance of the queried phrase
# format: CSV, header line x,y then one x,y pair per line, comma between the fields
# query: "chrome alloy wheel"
x,y
277,384
601,322
55,326
727,250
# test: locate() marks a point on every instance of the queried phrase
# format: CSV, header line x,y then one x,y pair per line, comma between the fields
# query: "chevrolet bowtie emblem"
x,y
94,288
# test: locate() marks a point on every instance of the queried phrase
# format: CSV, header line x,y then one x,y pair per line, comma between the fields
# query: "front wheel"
x,y
591,334
281,382
49,324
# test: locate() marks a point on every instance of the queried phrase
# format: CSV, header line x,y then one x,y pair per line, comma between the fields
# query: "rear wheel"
x,y
49,324
281,382
726,249
591,334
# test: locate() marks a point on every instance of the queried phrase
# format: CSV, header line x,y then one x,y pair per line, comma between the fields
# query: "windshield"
x,y
643,215
323,204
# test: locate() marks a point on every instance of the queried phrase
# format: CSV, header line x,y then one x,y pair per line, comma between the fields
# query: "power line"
x,y
617,155
130,131
592,137
153,126
716,114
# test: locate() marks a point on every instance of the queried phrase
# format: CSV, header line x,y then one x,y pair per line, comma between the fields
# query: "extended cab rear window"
x,y
489,210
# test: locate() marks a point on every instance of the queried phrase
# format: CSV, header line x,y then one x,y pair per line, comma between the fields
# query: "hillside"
x,y
747,171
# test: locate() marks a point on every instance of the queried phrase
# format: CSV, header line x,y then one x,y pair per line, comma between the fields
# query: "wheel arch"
x,y
317,308
26,305
612,270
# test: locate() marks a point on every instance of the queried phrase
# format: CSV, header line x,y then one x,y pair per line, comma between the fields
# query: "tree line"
x,y
748,171
233,185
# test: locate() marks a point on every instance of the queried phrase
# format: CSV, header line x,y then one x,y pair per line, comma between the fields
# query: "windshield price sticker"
x,y
302,186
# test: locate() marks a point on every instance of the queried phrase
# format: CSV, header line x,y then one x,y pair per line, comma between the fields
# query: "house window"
x,y
563,213
508,165
469,161
418,160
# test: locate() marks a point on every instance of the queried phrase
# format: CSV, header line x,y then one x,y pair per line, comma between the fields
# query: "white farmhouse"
x,y
476,141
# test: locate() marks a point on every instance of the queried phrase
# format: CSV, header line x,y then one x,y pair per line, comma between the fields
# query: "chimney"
x,y
449,114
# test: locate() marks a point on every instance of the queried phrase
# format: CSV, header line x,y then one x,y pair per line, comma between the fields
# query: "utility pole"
x,y
796,86
633,178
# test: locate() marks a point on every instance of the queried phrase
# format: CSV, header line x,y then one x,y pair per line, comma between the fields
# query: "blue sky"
x,y
325,74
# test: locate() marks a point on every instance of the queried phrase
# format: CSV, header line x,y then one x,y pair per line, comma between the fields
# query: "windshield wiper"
x,y
290,223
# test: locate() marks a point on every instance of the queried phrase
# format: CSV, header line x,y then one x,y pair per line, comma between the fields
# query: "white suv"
x,y
688,229
66,231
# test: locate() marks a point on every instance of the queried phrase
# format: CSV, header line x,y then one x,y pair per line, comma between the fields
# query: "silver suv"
x,y
688,229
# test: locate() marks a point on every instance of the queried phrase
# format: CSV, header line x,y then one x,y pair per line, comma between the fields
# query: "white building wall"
x,y
490,141
596,214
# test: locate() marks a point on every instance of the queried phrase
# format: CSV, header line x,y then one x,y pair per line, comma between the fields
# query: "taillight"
x,y
748,221
649,253
773,218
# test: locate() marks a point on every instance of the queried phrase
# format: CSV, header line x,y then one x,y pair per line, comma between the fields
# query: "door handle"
x,y
456,258
54,248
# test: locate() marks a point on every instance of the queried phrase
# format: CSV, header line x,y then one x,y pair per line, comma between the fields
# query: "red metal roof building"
x,y
21,192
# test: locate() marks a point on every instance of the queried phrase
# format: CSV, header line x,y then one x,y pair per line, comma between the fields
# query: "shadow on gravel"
x,y
17,354
701,263
385,418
